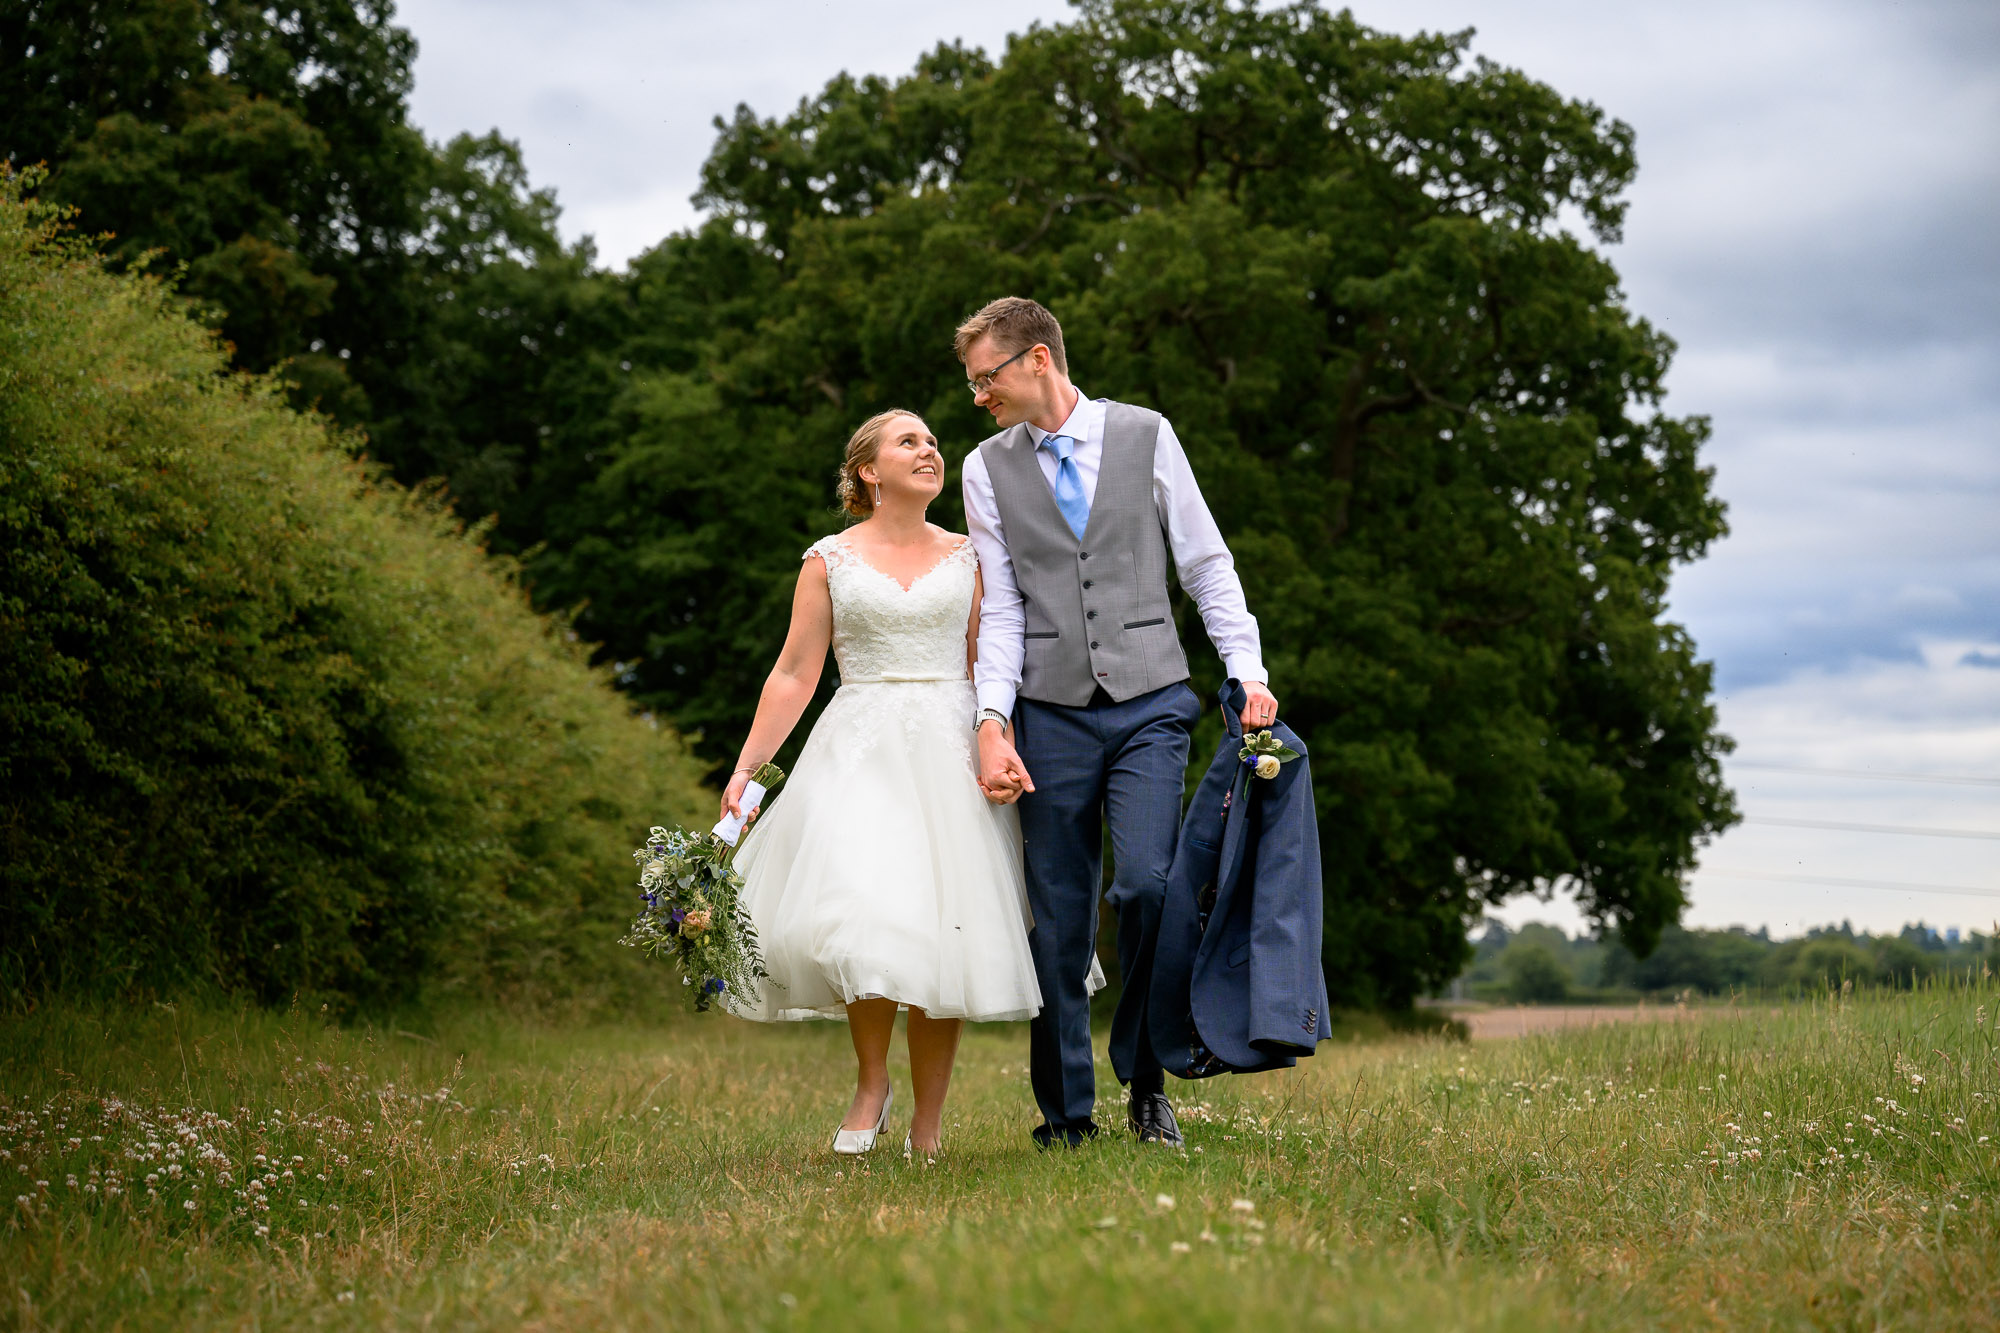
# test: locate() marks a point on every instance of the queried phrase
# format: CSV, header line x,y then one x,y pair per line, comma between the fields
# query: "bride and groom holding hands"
x,y
1006,697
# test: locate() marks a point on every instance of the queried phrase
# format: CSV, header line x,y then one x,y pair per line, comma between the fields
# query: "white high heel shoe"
x,y
854,1142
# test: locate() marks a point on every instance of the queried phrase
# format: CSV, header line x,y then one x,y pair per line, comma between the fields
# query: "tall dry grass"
x,y
1820,1164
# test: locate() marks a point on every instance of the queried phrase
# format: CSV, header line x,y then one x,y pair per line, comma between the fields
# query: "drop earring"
x,y
878,495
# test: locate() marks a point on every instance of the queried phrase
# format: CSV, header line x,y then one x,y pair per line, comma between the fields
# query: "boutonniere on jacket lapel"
x,y
1263,754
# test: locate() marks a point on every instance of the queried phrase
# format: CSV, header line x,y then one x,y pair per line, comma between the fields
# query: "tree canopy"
x,y
265,153
1362,273
1343,263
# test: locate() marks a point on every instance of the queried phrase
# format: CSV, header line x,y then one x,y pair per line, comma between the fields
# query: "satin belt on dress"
x,y
902,677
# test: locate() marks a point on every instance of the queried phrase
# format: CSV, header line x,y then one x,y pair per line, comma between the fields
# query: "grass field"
x,y
1823,1164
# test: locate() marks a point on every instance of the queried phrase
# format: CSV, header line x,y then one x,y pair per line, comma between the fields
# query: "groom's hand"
x,y
1260,706
1002,776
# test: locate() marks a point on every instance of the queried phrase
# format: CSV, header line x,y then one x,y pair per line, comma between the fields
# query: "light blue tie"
x,y
1069,485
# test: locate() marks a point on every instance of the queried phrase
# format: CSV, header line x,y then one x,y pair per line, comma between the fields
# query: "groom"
x,y
1074,508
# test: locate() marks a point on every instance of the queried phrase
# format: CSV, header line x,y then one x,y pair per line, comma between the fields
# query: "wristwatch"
x,y
989,715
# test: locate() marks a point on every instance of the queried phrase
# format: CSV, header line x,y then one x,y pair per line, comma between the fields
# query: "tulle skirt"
x,y
880,871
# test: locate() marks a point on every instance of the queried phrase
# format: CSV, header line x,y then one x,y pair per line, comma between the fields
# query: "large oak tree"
x,y
1361,273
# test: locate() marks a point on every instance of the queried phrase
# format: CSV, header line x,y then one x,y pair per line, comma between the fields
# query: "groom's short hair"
x,y
1015,324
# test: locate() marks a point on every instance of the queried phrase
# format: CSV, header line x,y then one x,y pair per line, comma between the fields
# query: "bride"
x,y
882,878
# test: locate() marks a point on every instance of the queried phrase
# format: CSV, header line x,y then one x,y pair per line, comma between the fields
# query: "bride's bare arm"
x,y
789,687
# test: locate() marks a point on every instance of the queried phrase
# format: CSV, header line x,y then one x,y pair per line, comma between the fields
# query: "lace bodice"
x,y
882,630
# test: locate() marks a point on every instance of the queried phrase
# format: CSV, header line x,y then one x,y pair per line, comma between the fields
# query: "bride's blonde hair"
x,y
862,447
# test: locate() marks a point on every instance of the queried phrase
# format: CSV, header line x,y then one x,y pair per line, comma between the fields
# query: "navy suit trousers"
x,y
1126,762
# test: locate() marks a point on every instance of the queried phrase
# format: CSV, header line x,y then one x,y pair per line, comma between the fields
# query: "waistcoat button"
x,y
1086,583
1093,643
1083,555
1090,615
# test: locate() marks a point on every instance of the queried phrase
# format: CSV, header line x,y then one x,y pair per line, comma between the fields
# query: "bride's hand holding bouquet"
x,y
691,897
744,797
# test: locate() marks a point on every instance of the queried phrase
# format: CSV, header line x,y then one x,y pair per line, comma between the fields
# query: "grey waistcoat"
x,y
1097,610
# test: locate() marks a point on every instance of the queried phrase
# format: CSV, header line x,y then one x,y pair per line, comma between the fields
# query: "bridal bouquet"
x,y
691,913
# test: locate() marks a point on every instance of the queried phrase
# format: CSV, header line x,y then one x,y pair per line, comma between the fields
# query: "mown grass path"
x,y
1830,1165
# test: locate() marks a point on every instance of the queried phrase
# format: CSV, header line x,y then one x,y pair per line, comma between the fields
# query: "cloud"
x,y
613,100
1852,747
1937,716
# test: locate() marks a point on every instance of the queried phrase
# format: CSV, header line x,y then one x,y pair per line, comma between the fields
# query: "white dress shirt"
x,y
1206,568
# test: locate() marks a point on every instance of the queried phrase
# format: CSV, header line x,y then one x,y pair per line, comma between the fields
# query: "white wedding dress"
x,y
879,870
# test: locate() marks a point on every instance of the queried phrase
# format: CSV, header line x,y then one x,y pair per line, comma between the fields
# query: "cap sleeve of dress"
x,y
828,548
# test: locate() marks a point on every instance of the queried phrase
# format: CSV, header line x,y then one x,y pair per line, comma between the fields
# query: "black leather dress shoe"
x,y
1152,1117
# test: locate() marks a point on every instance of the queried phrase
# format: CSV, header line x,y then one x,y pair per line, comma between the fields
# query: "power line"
x,y
1835,881
1842,827
1961,779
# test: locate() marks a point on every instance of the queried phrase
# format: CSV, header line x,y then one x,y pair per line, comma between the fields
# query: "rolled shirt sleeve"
x,y
1207,570
996,676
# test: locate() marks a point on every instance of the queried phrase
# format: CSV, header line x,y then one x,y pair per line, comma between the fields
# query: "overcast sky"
x,y
1815,221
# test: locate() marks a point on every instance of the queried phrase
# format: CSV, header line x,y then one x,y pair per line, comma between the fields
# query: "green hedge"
x,y
268,722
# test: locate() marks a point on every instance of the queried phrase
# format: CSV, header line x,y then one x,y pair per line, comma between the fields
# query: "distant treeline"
x,y
1541,964
1364,274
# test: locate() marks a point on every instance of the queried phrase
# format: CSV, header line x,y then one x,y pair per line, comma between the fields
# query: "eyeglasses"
x,y
979,384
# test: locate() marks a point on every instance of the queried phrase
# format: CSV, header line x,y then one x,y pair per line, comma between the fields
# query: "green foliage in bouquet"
x,y
693,912
270,723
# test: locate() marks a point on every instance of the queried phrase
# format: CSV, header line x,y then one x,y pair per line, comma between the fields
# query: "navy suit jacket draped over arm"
x,y
1236,984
